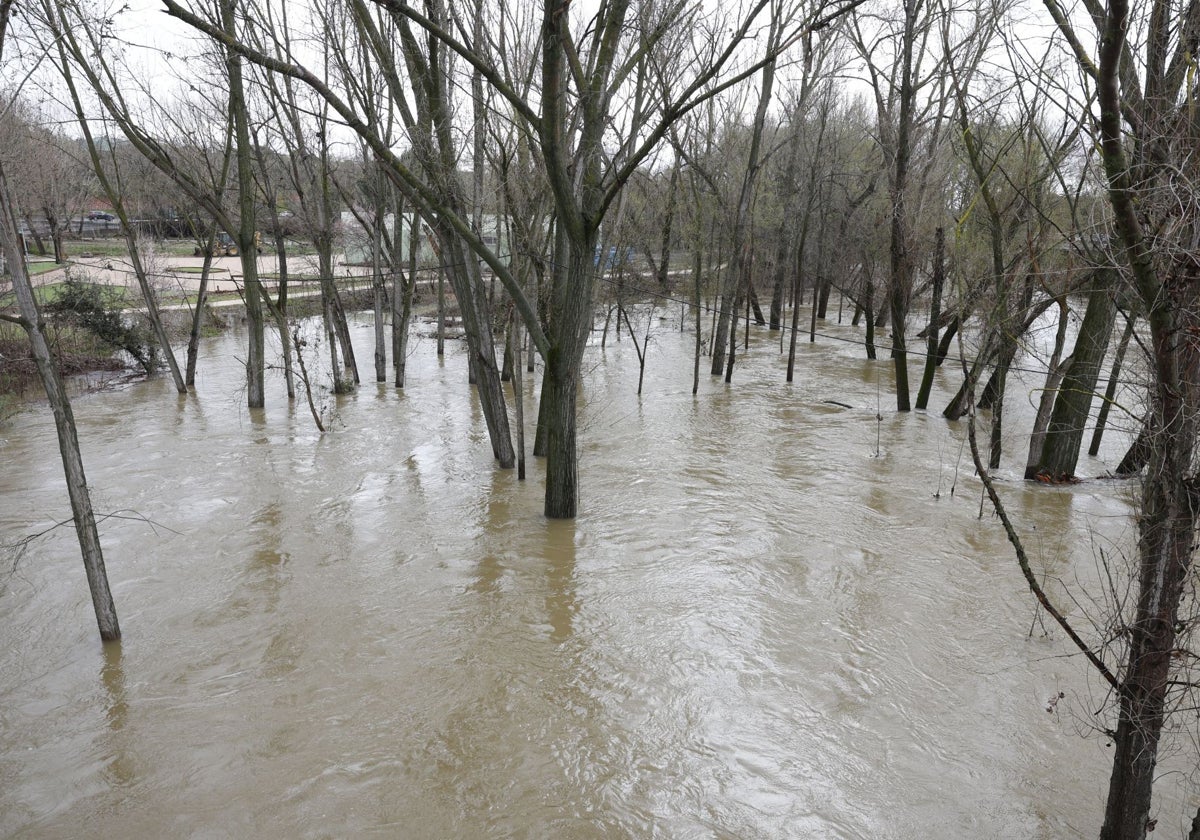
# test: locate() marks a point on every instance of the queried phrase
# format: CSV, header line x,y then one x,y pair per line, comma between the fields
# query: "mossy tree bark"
x,y
1064,436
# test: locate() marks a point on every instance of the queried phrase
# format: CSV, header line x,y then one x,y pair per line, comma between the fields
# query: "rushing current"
x,y
775,617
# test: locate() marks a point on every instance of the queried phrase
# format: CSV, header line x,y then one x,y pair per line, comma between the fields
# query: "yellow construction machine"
x,y
226,246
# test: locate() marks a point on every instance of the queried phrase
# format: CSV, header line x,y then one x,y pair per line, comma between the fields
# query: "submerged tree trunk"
x,y
959,404
255,358
475,312
570,325
281,310
332,299
379,294
696,263
518,396
1055,371
401,330
151,301
1000,378
795,330
193,348
441,309
342,383
778,281
943,348
868,312
1138,453
64,423
1110,391
557,417
935,314
664,260
1064,436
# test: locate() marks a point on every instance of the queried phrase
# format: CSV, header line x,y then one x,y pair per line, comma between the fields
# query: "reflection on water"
x,y
761,626
113,678
559,556
121,766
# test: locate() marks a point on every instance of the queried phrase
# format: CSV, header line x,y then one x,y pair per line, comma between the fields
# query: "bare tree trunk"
x,y
935,313
379,292
518,397
739,292
943,348
33,231
471,296
1138,454
193,348
323,242
1110,391
869,317
664,260
397,292
410,288
1055,371
778,281
341,380
510,353
441,309
731,288
796,298
1064,436
285,338
696,263
255,360
741,248
572,307
64,423
900,284
56,235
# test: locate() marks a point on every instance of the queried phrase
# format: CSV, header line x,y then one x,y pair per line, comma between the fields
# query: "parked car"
x,y
101,216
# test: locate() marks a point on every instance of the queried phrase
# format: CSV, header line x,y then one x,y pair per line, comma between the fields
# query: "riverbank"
x,y
79,353
176,280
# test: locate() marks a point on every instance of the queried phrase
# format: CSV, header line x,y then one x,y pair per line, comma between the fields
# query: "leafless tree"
x,y
30,319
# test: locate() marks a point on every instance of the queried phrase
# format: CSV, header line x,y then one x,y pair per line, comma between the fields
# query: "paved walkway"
x,y
183,273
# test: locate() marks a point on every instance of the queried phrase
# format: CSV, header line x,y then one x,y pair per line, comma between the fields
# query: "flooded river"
x,y
773,618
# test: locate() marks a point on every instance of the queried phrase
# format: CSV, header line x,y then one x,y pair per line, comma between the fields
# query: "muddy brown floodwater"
x,y
762,625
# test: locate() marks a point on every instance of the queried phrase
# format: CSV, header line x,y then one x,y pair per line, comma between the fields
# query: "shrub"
x,y
84,305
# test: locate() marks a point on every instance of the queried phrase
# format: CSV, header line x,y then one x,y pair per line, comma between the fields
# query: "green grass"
x,y
51,292
37,268
174,297
292,277
217,296
117,248
195,269
95,248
